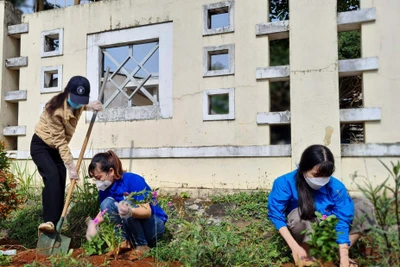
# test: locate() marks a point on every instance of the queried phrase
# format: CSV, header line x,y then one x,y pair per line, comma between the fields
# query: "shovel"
x,y
55,243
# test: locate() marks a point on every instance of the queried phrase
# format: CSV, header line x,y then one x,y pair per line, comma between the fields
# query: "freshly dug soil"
x,y
129,258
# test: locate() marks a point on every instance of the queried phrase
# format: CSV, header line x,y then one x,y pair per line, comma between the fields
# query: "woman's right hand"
x,y
73,174
299,255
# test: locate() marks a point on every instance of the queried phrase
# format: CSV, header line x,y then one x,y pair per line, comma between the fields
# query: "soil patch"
x,y
128,258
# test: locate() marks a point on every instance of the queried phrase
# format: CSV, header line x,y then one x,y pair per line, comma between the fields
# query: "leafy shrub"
x,y
323,237
85,202
109,238
5,260
9,198
22,224
386,201
27,187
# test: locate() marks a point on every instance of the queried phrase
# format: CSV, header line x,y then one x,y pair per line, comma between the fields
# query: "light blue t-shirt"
x,y
332,198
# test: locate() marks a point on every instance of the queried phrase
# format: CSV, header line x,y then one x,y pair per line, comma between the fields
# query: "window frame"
x,y
206,104
60,51
164,34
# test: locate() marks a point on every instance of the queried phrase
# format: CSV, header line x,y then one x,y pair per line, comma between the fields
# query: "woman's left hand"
x,y
344,255
94,106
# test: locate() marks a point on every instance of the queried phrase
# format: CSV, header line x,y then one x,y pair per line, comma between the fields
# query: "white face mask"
x,y
103,185
317,182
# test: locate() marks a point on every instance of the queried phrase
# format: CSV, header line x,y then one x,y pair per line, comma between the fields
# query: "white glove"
x,y
73,174
91,230
94,106
124,209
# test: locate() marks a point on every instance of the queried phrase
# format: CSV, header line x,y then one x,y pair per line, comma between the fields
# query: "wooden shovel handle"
x,y
89,131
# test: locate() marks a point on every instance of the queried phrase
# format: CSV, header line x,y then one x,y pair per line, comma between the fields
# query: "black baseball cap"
x,y
79,90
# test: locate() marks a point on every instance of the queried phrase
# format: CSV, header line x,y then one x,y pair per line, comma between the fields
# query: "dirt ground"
x,y
128,258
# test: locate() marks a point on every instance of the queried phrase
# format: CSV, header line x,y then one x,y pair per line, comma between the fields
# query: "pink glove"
x,y
73,174
91,230
124,209
94,106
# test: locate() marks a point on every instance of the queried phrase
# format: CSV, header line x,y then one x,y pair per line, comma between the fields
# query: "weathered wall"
x,y
9,48
185,151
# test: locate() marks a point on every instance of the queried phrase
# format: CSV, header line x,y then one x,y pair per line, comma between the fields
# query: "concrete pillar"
x,y
10,48
314,77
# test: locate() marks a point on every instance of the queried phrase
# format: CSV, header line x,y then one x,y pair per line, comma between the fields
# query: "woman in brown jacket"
x,y
49,145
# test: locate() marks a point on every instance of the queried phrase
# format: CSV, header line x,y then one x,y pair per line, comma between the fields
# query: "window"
x,y
219,60
279,52
51,79
349,44
134,74
280,134
219,104
279,94
350,96
139,86
278,10
52,43
218,18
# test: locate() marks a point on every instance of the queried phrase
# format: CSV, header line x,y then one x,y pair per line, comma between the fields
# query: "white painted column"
x,y
314,77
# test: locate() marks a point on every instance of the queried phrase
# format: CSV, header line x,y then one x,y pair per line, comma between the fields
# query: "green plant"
x,y
5,260
9,197
27,186
108,239
246,205
386,201
66,260
85,202
185,195
22,224
201,242
323,237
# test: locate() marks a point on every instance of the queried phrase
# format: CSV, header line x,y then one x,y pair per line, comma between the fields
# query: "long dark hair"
x,y
106,161
58,100
315,155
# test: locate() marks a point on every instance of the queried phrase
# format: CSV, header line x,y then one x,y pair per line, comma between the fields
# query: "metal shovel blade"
x,y
52,243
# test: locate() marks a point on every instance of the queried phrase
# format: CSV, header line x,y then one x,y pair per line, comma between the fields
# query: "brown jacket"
x,y
57,130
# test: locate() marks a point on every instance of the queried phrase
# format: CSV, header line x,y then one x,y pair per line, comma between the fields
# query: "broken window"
x,y
51,79
134,74
52,43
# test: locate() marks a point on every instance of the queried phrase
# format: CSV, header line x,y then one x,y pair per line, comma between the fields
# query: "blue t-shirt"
x,y
330,199
131,182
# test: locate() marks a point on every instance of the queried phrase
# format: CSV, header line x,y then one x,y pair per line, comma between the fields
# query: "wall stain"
x,y
328,135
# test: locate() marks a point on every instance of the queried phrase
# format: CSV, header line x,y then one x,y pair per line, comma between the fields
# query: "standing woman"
x,y
296,196
49,145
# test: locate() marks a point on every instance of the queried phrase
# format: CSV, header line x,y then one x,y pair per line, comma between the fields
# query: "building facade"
x,y
189,97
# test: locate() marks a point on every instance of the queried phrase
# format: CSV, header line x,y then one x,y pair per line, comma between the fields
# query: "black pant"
x,y
52,169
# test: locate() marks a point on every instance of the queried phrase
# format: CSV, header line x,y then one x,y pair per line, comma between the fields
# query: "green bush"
x,y
84,203
385,198
23,223
9,198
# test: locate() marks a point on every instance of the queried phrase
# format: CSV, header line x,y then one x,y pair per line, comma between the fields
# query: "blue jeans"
x,y
139,232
